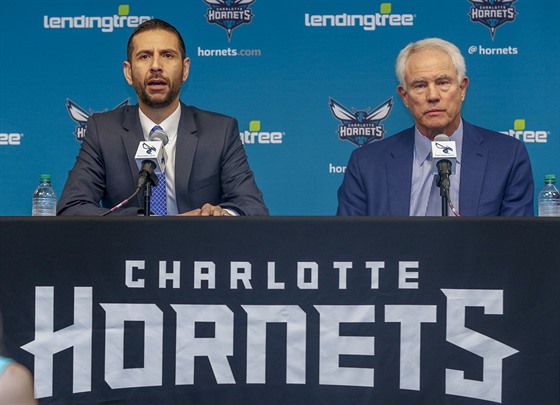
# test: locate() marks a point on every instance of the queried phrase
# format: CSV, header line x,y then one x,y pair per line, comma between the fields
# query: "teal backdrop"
x,y
276,70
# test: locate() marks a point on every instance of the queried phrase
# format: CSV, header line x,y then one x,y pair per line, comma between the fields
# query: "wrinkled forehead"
x,y
429,62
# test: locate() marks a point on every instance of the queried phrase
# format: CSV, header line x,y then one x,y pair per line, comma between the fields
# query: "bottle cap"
x,y
45,177
550,178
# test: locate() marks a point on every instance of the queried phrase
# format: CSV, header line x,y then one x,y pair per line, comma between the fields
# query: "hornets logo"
x,y
229,14
492,13
80,116
360,126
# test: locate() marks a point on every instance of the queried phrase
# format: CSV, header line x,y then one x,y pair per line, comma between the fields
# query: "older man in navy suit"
x,y
393,177
207,172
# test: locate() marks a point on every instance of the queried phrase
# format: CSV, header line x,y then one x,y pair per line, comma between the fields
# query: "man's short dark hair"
x,y
155,24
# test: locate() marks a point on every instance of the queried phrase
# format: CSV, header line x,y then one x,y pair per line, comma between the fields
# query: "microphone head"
x,y
153,150
443,148
442,137
158,135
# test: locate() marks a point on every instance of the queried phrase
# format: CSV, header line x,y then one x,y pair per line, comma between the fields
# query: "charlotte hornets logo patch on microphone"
x,y
360,126
229,14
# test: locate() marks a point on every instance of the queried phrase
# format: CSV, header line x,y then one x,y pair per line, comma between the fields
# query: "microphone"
x,y
151,157
443,149
444,154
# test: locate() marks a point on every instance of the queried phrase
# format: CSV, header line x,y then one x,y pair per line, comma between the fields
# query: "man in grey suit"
x,y
207,172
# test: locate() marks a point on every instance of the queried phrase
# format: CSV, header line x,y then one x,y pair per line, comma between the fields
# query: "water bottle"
x,y
44,198
549,198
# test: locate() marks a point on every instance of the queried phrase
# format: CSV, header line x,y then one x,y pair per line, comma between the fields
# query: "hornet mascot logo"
x,y
492,13
445,149
80,116
229,14
360,126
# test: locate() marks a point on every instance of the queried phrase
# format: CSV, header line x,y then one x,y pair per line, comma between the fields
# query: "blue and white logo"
x,y
229,14
444,148
361,126
80,116
492,13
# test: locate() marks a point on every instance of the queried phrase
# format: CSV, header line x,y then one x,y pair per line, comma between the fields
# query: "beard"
x,y
147,99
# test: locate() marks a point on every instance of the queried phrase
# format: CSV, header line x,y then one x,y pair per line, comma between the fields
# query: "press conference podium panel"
x,y
284,310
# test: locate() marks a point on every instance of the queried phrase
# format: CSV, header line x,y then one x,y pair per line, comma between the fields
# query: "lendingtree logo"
x,y
105,23
369,22
256,135
10,138
520,132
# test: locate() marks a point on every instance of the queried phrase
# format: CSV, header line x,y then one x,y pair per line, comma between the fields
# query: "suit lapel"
x,y
399,175
131,136
187,141
473,168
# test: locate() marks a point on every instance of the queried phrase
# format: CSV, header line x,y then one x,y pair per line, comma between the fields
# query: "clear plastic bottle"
x,y
44,198
549,198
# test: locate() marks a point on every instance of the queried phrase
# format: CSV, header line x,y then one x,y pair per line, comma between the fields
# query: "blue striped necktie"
x,y
159,193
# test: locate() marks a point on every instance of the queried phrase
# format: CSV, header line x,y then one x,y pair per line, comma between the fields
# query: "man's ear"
x,y
186,68
127,70
402,92
463,86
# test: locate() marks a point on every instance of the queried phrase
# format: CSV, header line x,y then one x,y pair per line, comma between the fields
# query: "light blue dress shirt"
x,y
425,197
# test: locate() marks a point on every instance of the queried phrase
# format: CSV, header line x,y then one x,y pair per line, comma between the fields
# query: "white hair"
x,y
430,43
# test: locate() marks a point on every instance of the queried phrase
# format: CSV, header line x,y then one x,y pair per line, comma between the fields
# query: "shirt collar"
x,y
422,145
170,125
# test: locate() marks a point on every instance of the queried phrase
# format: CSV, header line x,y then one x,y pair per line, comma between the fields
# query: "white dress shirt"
x,y
170,126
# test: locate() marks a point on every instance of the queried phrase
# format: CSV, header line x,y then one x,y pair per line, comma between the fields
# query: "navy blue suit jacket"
x,y
210,165
496,176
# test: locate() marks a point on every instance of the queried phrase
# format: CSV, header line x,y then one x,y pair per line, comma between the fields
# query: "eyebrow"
x,y
169,50
150,51
422,80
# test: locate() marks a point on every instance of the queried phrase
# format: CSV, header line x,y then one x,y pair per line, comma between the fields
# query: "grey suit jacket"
x,y
210,165
496,176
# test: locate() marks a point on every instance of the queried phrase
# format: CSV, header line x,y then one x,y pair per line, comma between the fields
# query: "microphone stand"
x,y
151,181
444,169
444,204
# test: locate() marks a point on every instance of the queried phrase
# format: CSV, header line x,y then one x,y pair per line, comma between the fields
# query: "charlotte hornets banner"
x,y
309,81
321,311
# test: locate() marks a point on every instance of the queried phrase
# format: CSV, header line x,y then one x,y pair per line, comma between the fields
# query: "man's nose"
x,y
433,93
156,64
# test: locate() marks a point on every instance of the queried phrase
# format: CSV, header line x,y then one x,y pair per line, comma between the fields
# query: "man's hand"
x,y
207,210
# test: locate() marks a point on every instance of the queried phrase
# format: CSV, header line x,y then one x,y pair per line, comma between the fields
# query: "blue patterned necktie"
x,y
159,193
